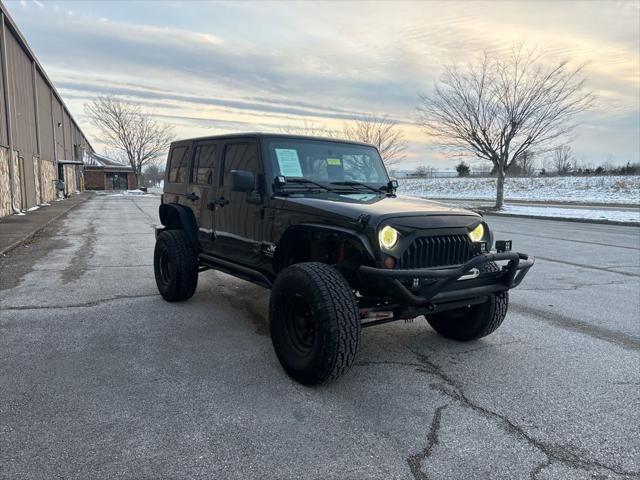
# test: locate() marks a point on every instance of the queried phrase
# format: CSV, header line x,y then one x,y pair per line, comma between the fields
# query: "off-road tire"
x,y
175,263
475,321
334,311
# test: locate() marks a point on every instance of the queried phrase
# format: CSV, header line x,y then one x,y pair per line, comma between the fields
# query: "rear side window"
x,y
179,165
204,164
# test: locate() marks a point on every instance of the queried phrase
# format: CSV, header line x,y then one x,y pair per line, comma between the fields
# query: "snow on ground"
x,y
124,193
575,213
600,189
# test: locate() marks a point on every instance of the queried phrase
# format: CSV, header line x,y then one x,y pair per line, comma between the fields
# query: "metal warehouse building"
x,y
39,139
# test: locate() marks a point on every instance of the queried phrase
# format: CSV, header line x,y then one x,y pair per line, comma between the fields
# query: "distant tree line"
x,y
558,161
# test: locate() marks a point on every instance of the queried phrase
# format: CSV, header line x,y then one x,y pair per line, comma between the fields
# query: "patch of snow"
x,y
32,209
125,193
576,213
592,189
45,204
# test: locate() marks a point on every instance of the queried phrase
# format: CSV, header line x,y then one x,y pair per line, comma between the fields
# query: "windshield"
x,y
326,162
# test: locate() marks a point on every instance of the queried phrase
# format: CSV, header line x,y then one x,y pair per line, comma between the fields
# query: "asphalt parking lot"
x,y
101,378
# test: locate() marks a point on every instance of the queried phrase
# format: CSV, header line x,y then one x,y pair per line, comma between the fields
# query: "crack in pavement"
x,y
620,339
366,363
574,287
154,222
415,461
554,453
484,347
589,267
95,267
92,303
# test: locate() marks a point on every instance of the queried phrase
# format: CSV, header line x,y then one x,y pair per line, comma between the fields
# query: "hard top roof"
x,y
232,136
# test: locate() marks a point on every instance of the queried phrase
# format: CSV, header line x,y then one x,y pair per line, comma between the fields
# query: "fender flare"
x,y
290,233
178,217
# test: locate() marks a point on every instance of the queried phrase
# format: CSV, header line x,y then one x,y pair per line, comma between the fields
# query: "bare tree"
x,y
383,133
526,163
152,174
421,171
562,159
499,108
311,129
127,130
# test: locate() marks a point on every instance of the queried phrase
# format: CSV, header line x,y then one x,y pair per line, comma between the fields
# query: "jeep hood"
x,y
403,209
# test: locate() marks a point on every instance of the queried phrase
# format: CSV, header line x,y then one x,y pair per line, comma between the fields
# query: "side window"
x,y
239,156
179,165
204,164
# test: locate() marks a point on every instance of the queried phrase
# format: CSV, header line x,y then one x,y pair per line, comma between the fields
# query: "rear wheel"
x,y
474,321
314,321
175,264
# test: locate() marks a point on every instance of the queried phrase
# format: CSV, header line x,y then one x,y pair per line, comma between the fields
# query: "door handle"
x,y
193,197
222,201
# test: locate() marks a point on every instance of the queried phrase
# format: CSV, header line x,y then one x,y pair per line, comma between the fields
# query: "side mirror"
x,y
242,181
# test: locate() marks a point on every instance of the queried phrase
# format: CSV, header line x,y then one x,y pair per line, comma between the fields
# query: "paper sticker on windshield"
x,y
334,161
288,162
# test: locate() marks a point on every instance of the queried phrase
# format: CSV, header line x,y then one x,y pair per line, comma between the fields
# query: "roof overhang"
x,y
70,162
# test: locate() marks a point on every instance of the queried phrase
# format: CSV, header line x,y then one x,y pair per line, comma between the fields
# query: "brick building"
x,y
102,173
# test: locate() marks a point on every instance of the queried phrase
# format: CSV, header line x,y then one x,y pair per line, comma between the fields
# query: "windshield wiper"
x,y
353,183
307,182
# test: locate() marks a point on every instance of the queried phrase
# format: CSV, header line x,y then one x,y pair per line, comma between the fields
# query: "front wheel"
x,y
471,322
314,321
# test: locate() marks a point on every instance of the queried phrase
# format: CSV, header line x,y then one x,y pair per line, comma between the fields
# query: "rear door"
x,y
205,172
178,187
238,221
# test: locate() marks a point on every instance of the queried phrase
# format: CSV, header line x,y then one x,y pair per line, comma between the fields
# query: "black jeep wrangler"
x,y
319,223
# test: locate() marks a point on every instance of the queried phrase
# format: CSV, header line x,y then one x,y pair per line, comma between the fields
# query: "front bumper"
x,y
449,284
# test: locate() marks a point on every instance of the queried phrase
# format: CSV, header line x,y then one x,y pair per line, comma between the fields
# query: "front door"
x,y
237,221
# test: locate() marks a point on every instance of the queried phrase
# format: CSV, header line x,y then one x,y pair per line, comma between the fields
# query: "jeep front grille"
x,y
436,251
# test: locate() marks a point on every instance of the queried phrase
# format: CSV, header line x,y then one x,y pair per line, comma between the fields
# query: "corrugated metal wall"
x,y
45,125
66,125
34,112
57,125
4,140
23,115
76,142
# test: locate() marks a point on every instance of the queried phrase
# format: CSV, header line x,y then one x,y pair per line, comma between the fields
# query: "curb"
x,y
564,203
561,219
38,229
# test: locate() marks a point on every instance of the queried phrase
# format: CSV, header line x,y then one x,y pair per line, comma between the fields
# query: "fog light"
x,y
503,246
480,247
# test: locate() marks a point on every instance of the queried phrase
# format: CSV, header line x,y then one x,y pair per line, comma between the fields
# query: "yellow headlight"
x,y
477,233
388,237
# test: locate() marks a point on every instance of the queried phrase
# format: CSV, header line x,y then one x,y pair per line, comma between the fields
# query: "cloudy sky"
x,y
210,68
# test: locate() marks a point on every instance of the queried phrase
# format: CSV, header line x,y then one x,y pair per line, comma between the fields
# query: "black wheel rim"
x,y
301,327
163,265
